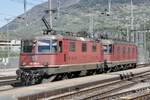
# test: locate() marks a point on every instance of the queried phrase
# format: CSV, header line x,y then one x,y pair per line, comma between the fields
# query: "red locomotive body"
x,y
58,51
56,57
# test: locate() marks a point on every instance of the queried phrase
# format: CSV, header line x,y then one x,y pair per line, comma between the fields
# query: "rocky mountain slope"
x,y
76,15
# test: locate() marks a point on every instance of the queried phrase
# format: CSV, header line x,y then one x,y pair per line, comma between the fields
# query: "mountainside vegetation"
x,y
76,15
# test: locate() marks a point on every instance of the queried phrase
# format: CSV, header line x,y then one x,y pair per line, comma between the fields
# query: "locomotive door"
x,y
65,51
62,52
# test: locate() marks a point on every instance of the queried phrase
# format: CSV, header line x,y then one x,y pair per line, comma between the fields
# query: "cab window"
x,y
110,48
118,50
44,46
94,47
60,46
72,46
47,46
26,46
124,50
128,50
107,49
84,47
54,46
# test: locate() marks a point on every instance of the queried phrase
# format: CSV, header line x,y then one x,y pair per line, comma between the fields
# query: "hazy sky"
x,y
9,9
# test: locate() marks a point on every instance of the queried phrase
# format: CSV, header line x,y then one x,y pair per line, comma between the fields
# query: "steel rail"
x,y
142,65
140,94
7,77
126,93
8,80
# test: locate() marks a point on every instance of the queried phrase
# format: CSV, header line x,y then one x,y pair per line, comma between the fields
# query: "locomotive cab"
x,y
40,52
119,55
107,49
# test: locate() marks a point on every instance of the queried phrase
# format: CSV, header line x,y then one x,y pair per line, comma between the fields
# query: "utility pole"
x,y
91,23
127,31
109,6
58,8
145,44
50,13
6,61
132,19
25,6
25,11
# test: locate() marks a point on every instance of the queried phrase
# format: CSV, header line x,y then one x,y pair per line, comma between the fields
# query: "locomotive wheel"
x,y
27,82
71,75
50,79
31,81
99,71
77,74
65,76
90,72
117,68
124,67
58,77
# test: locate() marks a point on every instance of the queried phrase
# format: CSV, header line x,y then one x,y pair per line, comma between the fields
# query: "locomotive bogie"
x,y
76,70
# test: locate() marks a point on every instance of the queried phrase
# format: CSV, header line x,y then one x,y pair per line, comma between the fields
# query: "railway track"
x,y
8,80
100,92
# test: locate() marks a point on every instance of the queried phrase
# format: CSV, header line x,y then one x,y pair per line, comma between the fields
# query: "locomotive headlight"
x,y
23,64
34,61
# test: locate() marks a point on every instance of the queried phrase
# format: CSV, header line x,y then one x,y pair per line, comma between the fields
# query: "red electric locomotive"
x,y
56,57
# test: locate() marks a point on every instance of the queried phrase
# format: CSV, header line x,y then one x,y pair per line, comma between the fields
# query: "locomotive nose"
x,y
33,58
34,61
